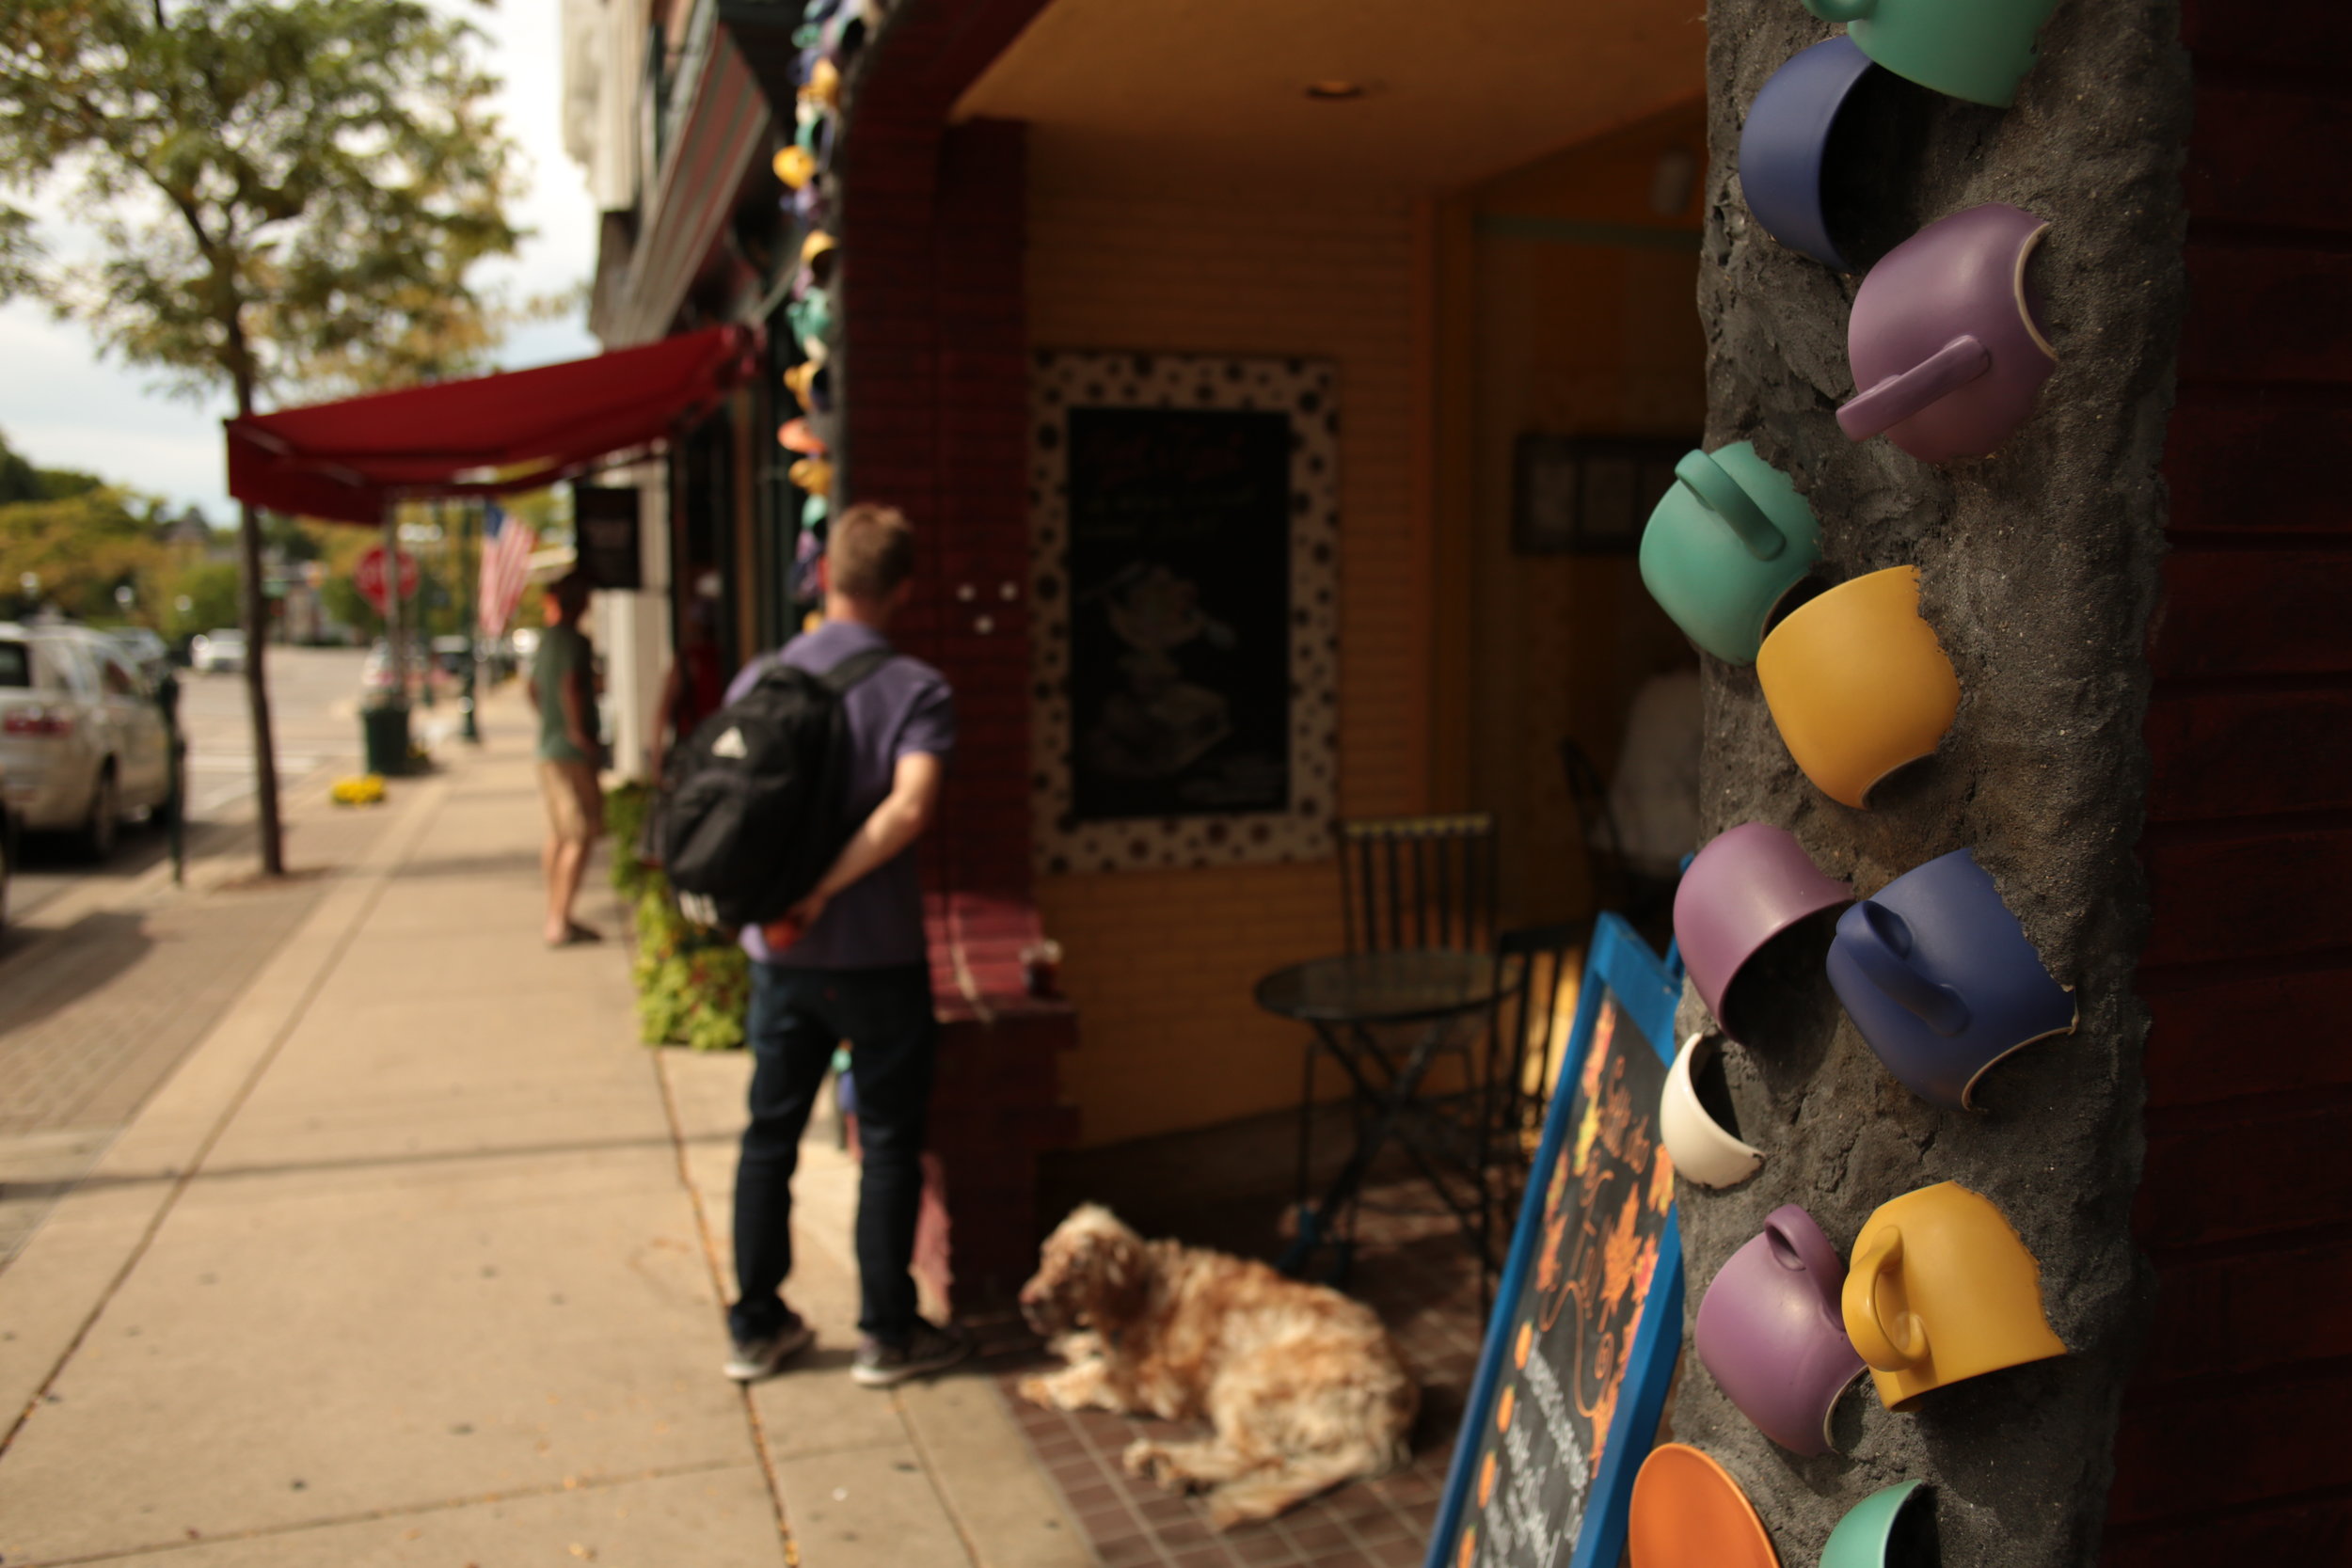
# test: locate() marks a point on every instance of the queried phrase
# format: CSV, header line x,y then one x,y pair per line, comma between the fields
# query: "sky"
x,y
64,407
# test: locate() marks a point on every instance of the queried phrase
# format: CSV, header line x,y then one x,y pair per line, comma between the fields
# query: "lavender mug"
x,y
1945,337
1748,886
1771,1333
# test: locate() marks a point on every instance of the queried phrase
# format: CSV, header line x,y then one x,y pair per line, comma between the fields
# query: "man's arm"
x,y
571,693
898,821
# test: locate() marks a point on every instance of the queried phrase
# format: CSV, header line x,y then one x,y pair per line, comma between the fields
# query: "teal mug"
x,y
1979,49
1724,545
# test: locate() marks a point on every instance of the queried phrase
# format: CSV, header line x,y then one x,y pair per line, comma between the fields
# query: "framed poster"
x,y
1587,1324
1183,547
1587,494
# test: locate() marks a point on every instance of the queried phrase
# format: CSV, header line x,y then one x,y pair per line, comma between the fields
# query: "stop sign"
x,y
369,575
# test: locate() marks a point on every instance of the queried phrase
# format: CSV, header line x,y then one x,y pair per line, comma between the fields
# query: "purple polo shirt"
x,y
901,708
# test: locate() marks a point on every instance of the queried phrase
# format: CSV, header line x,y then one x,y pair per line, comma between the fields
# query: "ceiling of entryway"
x,y
1455,89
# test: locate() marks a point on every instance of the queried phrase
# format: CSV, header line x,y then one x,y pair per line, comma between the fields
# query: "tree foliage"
x,y
282,189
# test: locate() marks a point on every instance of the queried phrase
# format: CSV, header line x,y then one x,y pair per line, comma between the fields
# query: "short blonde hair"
x,y
871,551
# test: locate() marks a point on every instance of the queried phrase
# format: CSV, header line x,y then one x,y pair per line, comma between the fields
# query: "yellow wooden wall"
x,y
1570,337
1161,963
1460,664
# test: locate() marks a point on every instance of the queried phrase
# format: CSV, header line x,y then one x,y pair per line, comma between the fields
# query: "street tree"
x,y
275,187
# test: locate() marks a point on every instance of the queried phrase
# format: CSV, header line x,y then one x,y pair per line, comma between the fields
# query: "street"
x,y
314,695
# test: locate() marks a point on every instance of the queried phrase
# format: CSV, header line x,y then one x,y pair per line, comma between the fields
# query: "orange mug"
x,y
1857,683
1941,1289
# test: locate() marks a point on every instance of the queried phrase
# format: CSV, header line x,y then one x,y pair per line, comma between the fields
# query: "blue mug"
x,y
1941,980
1784,144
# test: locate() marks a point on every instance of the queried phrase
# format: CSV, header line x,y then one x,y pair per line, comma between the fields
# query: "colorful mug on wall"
x,y
1688,1512
1940,978
1749,887
1703,1150
1874,1531
1945,339
1769,1334
1979,49
1943,1290
1784,144
1858,684
1724,545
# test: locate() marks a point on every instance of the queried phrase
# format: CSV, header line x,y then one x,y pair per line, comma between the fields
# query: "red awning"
x,y
514,431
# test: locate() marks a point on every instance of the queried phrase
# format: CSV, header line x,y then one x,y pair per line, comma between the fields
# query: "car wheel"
x,y
105,817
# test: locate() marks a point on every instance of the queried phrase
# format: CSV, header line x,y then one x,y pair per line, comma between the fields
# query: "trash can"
x,y
385,730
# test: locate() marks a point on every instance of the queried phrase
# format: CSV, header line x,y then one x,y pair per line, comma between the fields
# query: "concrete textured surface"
x,y
417,1257
2039,569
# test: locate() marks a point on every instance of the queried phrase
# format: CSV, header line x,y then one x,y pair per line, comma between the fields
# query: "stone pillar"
x,y
2040,568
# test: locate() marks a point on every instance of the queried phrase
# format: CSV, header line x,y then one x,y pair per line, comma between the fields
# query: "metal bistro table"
x,y
1417,999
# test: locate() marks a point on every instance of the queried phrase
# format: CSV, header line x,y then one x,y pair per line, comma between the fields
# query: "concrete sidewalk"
x,y
416,1260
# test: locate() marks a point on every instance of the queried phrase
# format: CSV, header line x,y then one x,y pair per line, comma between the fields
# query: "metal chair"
x,y
1419,882
1537,962
1596,827
1406,883
1646,901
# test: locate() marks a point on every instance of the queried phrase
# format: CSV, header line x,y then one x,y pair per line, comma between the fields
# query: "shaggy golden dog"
x,y
1305,1387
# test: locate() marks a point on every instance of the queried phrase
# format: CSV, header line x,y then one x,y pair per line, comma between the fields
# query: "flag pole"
x,y
469,567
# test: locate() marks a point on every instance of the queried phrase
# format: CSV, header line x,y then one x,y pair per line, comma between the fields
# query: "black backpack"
x,y
751,814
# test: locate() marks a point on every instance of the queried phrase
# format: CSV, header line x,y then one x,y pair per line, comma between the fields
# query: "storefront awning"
x,y
488,434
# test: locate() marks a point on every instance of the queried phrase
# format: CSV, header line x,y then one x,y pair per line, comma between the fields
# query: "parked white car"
x,y
82,740
209,651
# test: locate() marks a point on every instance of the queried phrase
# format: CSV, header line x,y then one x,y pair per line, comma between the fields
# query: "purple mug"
x,y
1946,340
1772,1334
1747,887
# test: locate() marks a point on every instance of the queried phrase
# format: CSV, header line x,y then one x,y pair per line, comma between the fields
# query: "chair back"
x,y
1597,829
1419,882
1539,963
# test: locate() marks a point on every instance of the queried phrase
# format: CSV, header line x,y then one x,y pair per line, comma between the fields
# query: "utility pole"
x,y
399,660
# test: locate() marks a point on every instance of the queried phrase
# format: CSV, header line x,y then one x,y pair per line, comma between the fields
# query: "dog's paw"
x,y
1224,1515
1038,1390
1148,1460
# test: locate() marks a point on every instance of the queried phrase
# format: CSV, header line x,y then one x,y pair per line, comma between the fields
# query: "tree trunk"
x,y
257,690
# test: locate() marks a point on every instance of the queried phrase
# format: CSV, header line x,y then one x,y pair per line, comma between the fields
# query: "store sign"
x,y
605,525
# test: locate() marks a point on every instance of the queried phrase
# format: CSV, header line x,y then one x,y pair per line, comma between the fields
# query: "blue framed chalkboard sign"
x,y
1588,1321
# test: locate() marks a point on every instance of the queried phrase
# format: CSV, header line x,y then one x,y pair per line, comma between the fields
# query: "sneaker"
x,y
926,1350
757,1358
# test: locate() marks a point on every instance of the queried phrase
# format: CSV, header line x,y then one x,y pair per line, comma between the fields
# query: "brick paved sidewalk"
x,y
102,994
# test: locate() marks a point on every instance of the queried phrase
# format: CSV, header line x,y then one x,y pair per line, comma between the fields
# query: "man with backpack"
x,y
847,961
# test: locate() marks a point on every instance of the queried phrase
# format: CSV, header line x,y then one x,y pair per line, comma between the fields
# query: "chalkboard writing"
x,y
1180,571
1582,1346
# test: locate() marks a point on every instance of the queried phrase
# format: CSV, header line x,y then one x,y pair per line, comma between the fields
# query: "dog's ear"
x,y
1122,1271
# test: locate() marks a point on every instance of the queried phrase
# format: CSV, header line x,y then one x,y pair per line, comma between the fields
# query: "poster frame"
x,y
1308,391
1646,989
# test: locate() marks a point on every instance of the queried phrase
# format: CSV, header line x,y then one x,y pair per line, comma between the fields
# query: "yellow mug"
x,y
1857,683
1942,1289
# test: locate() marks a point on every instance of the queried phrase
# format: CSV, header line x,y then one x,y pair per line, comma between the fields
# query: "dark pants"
x,y
797,1016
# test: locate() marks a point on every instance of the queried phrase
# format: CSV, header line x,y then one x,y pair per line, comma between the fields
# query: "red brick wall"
x,y
932,378
2233,1446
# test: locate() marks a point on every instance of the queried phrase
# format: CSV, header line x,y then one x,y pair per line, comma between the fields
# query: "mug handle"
x,y
1842,10
1898,397
1803,1248
1734,505
1906,1344
1880,944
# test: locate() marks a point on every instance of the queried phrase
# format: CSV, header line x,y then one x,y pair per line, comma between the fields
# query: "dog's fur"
x,y
1305,1386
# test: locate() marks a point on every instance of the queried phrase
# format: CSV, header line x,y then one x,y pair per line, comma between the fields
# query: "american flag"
x,y
506,546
